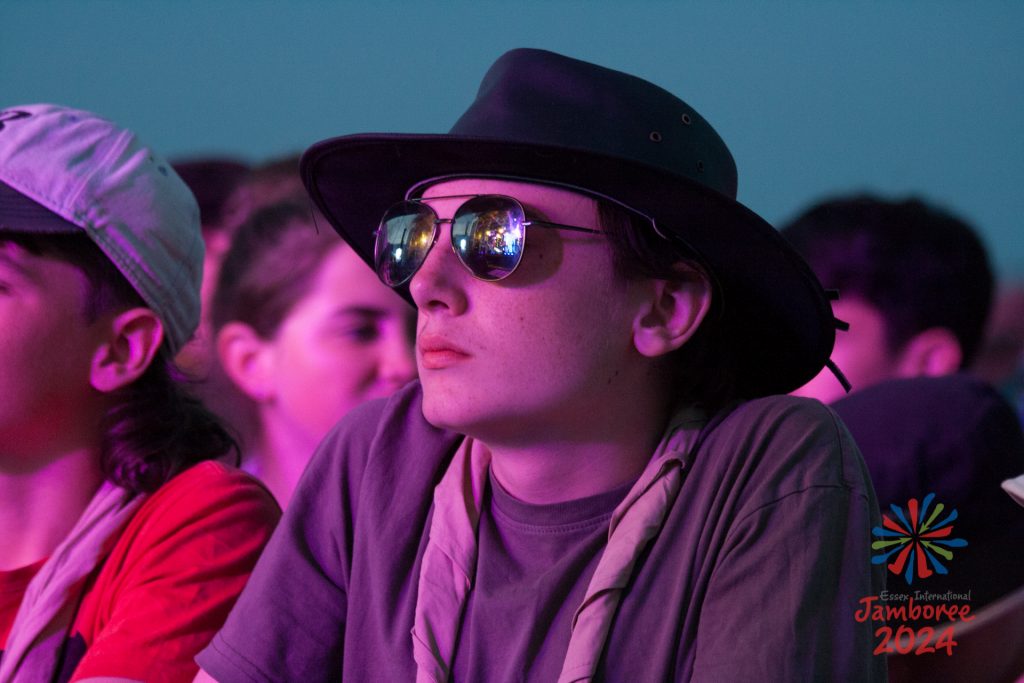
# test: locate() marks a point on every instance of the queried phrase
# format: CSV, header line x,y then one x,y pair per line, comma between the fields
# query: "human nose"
x,y
439,282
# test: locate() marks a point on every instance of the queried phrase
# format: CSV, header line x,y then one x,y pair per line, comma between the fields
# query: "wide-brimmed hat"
x,y
544,117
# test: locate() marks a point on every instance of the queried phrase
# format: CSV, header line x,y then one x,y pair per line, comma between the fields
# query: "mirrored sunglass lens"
x,y
488,234
405,236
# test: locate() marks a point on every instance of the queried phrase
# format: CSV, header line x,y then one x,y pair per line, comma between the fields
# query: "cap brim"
x,y
775,311
18,213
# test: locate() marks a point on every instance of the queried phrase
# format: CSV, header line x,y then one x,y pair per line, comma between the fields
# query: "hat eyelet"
x,y
655,136
700,167
686,119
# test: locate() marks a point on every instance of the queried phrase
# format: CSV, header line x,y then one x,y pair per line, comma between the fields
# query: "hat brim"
x,y
775,310
19,213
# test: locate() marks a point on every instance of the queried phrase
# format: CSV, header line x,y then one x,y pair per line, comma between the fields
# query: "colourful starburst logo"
x,y
918,543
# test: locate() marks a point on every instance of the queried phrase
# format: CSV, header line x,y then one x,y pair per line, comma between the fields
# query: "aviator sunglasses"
x,y
488,234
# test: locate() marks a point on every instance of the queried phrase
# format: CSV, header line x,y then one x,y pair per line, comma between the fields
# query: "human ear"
x,y
131,343
673,312
246,359
930,353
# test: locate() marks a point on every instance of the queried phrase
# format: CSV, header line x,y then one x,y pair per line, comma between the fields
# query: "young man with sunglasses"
x,y
592,478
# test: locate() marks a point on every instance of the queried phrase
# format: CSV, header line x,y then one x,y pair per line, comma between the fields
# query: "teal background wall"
x,y
813,98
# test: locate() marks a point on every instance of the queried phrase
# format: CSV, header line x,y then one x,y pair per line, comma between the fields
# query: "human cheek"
x,y
857,356
318,395
527,337
345,374
395,362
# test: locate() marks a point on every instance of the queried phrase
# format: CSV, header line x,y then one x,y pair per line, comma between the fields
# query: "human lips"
x,y
436,352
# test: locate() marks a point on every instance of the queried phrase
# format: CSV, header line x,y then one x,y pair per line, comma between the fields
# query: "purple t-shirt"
x,y
756,574
534,563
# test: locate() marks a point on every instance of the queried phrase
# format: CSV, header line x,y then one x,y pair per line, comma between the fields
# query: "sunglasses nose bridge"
x,y
439,224
438,234
440,279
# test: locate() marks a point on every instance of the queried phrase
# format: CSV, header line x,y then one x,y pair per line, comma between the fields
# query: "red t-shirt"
x,y
169,582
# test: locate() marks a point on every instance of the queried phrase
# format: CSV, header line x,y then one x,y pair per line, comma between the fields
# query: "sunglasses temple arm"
x,y
560,226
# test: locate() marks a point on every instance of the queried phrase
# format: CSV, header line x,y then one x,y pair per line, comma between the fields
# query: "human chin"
x,y
443,398
452,402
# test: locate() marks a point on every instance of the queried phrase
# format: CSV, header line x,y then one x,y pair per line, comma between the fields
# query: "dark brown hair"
x,y
918,264
154,428
269,183
271,265
703,370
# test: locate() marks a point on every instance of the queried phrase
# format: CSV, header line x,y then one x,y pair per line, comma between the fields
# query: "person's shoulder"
x,y
781,417
796,442
387,422
212,480
174,572
388,437
953,435
209,493
956,412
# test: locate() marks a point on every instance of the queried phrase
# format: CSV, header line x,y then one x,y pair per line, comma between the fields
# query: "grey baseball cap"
x,y
63,170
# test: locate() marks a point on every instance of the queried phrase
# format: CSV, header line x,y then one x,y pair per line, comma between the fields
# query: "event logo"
x,y
914,543
918,538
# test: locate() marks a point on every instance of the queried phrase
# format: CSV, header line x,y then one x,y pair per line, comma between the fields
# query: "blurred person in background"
x,y
306,332
229,192
954,437
914,286
1000,360
213,181
271,182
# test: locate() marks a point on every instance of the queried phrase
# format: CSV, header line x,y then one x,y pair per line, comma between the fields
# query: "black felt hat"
x,y
545,117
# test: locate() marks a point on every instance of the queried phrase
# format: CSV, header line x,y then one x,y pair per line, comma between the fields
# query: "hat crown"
x,y
101,178
543,98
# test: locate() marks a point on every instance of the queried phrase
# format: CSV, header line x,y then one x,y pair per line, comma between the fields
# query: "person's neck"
x,y
551,464
281,457
40,505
